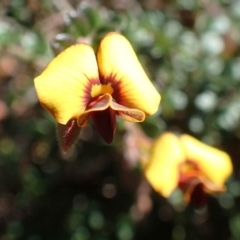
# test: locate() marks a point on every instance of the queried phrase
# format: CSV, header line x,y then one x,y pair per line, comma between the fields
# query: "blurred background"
x,y
190,49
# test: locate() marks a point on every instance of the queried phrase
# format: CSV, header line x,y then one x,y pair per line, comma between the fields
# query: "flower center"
x,y
187,166
100,89
195,185
191,185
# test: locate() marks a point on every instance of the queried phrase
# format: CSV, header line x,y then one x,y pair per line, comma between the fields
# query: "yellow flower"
x,y
78,84
184,162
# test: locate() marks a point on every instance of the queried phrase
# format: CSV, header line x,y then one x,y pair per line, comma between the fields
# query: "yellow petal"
x,y
215,164
162,171
117,60
63,87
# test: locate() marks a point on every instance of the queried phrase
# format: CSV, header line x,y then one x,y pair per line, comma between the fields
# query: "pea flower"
x,y
77,84
184,162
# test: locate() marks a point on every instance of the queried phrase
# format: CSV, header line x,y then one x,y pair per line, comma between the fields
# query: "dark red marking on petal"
x,y
115,84
105,122
87,90
68,134
108,79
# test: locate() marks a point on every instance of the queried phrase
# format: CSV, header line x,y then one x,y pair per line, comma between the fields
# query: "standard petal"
x,y
64,86
215,164
162,171
119,64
